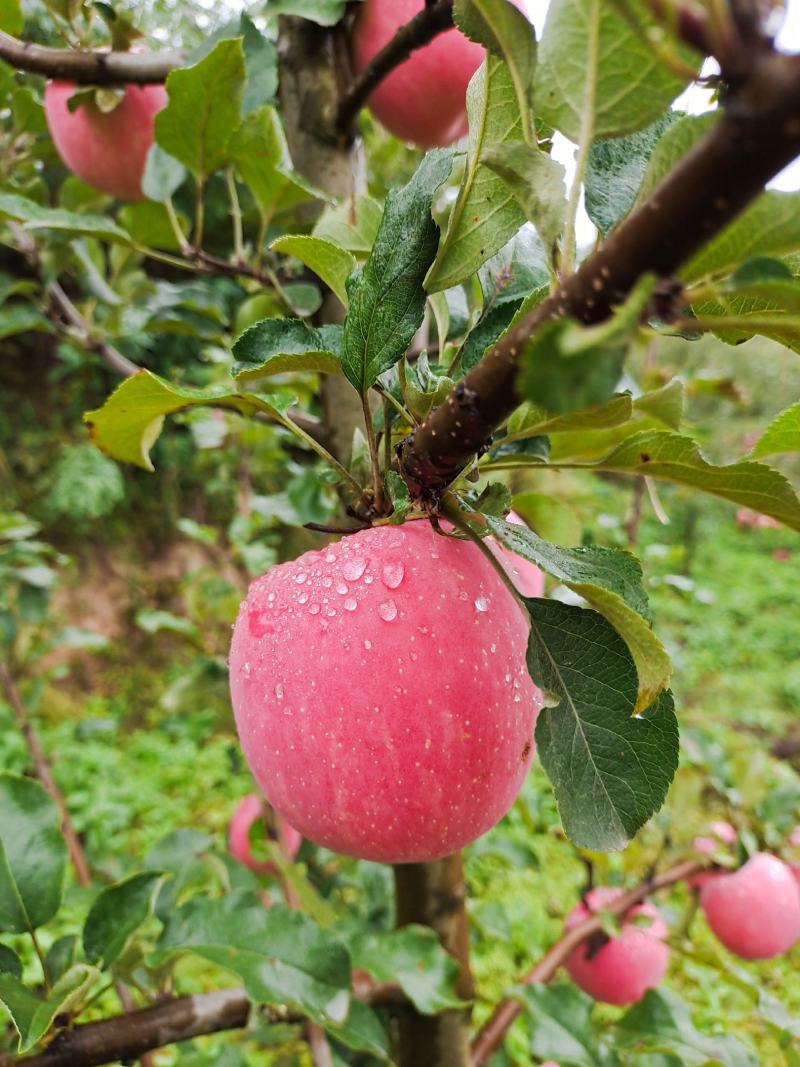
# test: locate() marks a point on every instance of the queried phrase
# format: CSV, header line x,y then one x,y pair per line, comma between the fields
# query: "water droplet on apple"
x,y
314,609
481,604
350,604
392,574
352,569
388,610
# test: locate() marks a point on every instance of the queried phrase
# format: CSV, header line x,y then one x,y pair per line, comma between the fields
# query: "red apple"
x,y
754,912
424,99
381,693
625,967
107,151
248,811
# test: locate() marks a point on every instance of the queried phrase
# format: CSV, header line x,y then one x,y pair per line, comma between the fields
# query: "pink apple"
x,y
625,967
248,811
108,151
526,576
724,834
381,693
754,912
424,99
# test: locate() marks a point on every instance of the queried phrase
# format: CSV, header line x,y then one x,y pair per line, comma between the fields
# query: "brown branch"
x,y
432,20
130,1036
88,67
491,1035
44,774
71,317
434,894
757,135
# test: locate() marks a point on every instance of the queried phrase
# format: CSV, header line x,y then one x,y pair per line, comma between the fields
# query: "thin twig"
x,y
71,317
493,1032
44,774
431,21
89,67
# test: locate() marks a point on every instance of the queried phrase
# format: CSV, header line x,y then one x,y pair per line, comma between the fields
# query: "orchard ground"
x,y
144,742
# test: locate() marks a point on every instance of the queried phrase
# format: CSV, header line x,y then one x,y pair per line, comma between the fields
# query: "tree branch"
x,y
757,135
44,773
491,1035
70,315
128,1037
431,21
88,67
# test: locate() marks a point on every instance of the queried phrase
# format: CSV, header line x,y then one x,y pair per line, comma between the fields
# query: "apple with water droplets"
x,y
619,970
108,150
381,693
755,911
248,811
423,100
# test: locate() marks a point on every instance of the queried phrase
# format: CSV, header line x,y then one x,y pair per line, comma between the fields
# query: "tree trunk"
x,y
314,72
434,894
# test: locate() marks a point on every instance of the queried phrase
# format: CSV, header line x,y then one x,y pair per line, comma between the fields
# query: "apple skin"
x,y
724,834
249,809
754,912
381,693
108,151
625,967
423,100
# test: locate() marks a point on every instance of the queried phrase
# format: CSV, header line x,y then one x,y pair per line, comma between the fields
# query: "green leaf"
x,y
399,495
260,154
352,225
550,518
33,856
659,454
163,175
489,329
530,421
782,434
280,346
280,955
62,955
505,31
203,109
414,958
473,232
594,67
22,318
323,12
32,1016
10,963
536,182
261,66
329,262
664,404
610,770
11,17
363,1031
615,171
127,426
611,581
661,1022
769,227
672,146
566,366
561,1023
35,217
387,301
116,914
